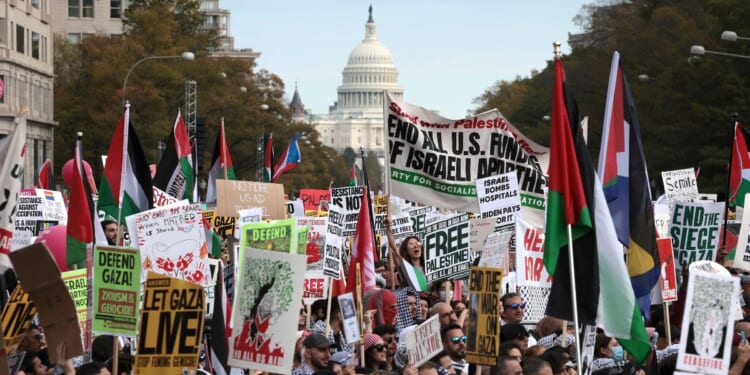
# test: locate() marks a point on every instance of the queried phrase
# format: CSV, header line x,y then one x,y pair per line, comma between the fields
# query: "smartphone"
x,y
743,337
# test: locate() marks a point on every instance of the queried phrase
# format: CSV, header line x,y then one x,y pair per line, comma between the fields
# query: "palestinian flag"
x,y
268,169
221,164
576,199
353,176
739,174
175,174
46,179
412,275
126,180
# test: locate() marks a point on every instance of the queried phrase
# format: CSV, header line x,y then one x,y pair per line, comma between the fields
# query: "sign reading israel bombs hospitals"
x,y
446,244
695,233
117,282
171,326
436,161
498,197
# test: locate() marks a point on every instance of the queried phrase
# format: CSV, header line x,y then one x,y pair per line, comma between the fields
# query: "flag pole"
x,y
574,294
224,150
121,192
729,182
361,314
369,200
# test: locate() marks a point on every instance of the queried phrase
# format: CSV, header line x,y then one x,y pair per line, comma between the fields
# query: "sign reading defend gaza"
x,y
436,161
117,282
171,326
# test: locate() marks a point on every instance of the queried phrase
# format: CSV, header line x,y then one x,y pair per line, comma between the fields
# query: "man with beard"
x,y
454,342
317,352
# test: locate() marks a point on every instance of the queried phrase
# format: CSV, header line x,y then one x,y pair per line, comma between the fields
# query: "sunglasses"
x,y
515,306
379,347
390,340
456,339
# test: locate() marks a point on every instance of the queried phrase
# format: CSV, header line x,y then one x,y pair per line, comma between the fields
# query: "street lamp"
x,y
700,51
731,36
187,56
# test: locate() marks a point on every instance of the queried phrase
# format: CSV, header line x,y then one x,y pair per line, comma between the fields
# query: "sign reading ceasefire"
x,y
171,326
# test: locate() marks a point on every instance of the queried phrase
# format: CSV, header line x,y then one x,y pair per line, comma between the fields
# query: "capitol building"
x,y
356,118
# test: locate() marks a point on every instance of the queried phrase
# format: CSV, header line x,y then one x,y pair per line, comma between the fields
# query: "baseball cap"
x,y
341,357
316,340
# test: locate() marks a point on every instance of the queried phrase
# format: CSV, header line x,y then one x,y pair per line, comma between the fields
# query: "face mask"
x,y
442,295
618,354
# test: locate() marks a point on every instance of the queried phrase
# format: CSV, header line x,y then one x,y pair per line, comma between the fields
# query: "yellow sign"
x,y
16,317
483,331
78,288
171,326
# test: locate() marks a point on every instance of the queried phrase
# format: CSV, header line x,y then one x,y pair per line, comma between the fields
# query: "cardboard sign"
x,y
480,230
172,241
38,273
170,333
35,206
499,198
232,196
315,287
117,284
77,284
446,248
436,161
16,318
351,319
424,342
315,242
667,276
529,256
485,289
708,324
695,230
267,297
680,185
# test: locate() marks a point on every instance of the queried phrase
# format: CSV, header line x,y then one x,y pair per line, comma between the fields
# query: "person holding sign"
x,y
410,250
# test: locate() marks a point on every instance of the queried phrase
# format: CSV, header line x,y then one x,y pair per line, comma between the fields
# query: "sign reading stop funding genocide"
x,y
117,282
171,326
446,244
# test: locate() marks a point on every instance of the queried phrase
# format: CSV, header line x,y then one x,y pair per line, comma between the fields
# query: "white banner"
x,y
530,256
436,161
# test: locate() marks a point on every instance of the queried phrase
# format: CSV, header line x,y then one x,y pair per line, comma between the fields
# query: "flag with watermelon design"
x,y
126,187
739,174
175,174
221,164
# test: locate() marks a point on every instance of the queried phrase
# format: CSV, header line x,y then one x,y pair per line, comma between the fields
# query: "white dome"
x,y
369,71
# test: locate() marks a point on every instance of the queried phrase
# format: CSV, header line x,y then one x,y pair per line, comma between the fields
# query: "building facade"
x,y
26,72
356,118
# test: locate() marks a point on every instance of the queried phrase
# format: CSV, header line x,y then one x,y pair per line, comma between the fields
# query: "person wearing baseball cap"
x,y
317,352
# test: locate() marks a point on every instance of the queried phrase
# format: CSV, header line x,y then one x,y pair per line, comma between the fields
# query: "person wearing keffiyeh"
x,y
408,307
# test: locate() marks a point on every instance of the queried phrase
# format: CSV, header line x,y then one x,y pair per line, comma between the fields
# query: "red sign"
x,y
312,198
667,277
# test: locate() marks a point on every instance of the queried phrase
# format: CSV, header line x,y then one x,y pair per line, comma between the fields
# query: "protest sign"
x,y
117,283
77,284
485,288
38,272
313,199
315,241
351,319
222,225
498,197
17,316
587,348
446,247
680,185
694,227
497,248
418,218
661,219
424,342
295,208
278,235
436,161
35,206
210,289
742,253
267,297
708,322
529,256
344,210
162,199
172,241
480,230
332,256
171,326
232,196
667,276
315,287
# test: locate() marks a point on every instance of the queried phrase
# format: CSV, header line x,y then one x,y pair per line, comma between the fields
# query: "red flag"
x,y
46,178
338,286
363,251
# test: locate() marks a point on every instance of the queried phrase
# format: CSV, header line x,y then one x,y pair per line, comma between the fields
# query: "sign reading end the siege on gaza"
x,y
436,161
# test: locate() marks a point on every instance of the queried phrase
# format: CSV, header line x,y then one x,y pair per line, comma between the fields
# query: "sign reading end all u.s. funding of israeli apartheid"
x,y
436,161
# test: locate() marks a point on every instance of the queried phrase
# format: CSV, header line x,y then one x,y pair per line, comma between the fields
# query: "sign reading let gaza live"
x,y
436,161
